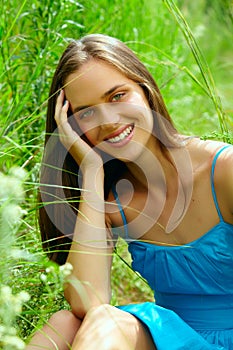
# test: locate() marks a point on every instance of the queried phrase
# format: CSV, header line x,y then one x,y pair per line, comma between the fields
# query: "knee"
x,y
103,312
105,320
64,317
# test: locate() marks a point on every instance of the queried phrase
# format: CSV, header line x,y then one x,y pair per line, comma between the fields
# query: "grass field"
x,y
189,54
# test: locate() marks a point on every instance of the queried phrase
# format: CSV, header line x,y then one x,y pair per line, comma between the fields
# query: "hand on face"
x,y
83,154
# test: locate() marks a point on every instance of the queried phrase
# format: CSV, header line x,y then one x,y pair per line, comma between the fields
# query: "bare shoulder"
x,y
223,175
204,153
224,162
206,149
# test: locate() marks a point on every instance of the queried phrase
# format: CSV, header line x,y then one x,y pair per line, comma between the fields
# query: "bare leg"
x,y
57,334
108,328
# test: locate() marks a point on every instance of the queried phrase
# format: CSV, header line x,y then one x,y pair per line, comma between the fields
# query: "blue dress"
x,y
193,288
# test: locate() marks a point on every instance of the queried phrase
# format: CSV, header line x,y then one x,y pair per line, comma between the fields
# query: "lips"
x,y
121,135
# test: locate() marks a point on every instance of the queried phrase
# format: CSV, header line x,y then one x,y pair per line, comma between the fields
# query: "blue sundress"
x,y
193,288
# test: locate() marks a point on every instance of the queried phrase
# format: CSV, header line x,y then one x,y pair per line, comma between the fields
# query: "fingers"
x,y
61,109
64,110
66,133
61,117
70,139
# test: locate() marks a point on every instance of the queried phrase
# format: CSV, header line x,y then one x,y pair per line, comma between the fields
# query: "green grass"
x,y
188,53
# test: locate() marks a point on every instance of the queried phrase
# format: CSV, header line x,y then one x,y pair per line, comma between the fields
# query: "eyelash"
x,y
82,115
121,94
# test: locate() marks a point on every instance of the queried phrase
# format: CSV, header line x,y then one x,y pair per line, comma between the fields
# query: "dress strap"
x,y
212,181
121,211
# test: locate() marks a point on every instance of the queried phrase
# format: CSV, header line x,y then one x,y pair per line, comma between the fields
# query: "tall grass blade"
x,y
202,64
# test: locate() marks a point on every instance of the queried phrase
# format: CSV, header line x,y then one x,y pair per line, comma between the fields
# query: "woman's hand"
x,y
83,154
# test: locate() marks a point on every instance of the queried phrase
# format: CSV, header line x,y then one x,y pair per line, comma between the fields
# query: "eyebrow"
x,y
107,93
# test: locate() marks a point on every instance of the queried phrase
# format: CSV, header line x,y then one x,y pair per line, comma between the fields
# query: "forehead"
x,y
92,80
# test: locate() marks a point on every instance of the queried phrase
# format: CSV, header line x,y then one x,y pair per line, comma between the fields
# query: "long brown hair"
x,y
60,180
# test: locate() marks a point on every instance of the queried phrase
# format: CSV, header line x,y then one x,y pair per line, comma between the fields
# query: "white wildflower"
x,y
6,293
21,254
2,330
11,188
18,173
10,330
13,341
43,277
11,214
23,296
50,269
66,269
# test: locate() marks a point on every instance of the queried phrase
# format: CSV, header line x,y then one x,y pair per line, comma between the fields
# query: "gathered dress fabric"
x,y
193,288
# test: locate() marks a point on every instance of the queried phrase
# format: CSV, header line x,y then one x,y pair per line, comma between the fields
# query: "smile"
x,y
124,135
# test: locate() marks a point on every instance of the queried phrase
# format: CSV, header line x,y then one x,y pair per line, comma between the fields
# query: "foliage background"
x,y
33,35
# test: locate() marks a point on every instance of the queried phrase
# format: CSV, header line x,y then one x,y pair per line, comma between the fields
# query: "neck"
x,y
154,167
166,173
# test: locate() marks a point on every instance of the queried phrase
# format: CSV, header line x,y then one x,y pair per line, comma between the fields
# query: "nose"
x,y
107,116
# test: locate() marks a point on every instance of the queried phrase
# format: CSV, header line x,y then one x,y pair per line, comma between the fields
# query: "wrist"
x,y
93,173
93,182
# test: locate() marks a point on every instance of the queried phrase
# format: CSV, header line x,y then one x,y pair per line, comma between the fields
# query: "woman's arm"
x,y
230,177
224,180
90,254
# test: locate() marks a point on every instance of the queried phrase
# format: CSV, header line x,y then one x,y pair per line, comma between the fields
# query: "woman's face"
x,y
110,109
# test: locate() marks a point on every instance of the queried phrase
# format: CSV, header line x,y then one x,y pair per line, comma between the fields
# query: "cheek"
x,y
84,127
150,120
91,134
139,99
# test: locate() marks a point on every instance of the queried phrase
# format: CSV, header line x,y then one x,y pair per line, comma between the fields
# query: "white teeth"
x,y
121,136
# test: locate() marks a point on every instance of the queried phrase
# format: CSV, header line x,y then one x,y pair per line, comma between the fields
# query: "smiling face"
x,y
111,110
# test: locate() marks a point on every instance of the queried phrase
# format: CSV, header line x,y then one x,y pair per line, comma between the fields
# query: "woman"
x,y
120,168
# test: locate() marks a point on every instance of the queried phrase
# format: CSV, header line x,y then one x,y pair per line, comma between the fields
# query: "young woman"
x,y
114,164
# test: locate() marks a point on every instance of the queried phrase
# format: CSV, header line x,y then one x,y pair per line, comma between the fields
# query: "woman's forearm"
x,y
90,254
